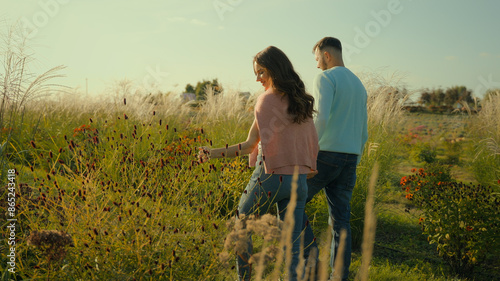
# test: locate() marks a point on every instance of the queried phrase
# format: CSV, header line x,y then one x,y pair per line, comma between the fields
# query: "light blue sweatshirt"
x,y
341,118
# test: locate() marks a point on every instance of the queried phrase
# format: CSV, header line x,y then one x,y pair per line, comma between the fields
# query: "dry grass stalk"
x,y
286,234
324,262
369,229
338,267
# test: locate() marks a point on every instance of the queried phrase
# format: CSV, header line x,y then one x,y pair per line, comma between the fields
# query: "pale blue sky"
x,y
171,42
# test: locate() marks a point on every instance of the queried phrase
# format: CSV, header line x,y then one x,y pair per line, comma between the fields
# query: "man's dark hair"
x,y
328,42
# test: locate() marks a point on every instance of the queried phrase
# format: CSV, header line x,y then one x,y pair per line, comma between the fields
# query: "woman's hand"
x,y
203,154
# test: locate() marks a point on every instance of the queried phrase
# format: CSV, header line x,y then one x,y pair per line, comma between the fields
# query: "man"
x,y
341,123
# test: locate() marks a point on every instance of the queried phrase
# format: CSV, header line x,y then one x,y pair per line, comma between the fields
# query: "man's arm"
x,y
323,92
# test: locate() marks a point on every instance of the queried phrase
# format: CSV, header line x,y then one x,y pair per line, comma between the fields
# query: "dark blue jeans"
x,y
256,200
337,176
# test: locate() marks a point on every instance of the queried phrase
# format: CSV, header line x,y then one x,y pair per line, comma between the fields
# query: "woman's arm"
x,y
234,150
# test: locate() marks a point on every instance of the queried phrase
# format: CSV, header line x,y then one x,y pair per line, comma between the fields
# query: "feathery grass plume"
x,y
18,86
225,117
386,97
51,242
269,228
369,229
484,130
266,226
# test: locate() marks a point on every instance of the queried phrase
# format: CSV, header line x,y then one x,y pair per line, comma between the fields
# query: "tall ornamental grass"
x,y
384,116
485,131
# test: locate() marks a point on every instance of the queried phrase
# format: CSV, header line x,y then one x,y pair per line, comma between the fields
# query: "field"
x,y
111,190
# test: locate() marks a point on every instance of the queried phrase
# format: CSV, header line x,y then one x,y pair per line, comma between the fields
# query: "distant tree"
x,y
458,94
452,95
425,98
437,97
200,90
189,89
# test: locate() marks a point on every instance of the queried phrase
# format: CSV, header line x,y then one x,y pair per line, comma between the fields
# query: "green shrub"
x,y
462,220
452,151
423,152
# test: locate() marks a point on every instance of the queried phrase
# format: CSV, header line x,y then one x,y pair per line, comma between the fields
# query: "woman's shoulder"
x,y
271,95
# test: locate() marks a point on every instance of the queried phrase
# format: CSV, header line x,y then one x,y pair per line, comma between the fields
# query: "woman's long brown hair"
x,y
288,82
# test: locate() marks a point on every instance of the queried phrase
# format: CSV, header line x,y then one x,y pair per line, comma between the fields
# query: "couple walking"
x,y
320,135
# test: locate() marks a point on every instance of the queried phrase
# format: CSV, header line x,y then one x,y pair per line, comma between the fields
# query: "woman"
x,y
282,137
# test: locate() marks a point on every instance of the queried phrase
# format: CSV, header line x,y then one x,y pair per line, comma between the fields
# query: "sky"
x,y
166,44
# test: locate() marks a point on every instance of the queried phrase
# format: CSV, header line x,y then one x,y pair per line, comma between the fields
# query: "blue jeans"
x,y
337,175
256,200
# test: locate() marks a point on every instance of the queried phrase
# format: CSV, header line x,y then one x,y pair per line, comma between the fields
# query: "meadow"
x,y
111,189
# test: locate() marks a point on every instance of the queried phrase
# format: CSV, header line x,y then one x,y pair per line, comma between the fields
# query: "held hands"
x,y
312,174
203,154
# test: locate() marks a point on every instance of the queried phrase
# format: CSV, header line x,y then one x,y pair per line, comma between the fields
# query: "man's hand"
x,y
312,174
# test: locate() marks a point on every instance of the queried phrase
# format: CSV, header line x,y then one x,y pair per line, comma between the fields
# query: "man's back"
x,y
341,120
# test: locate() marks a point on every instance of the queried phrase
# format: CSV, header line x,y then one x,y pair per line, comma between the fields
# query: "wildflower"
x,y
33,144
469,228
124,101
403,181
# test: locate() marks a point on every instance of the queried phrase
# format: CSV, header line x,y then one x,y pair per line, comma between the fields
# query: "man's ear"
x,y
326,55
